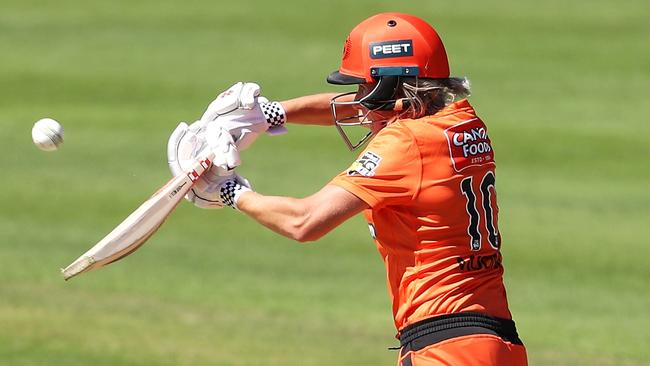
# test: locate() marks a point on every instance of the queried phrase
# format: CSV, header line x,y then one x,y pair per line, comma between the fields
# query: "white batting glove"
x,y
186,144
240,95
245,114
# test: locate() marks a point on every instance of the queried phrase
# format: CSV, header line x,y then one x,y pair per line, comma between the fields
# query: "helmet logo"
x,y
346,48
386,49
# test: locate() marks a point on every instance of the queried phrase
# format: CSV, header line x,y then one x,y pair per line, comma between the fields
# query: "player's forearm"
x,y
285,215
310,110
304,219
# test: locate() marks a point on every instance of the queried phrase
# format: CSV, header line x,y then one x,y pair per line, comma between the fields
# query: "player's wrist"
x,y
274,114
244,200
231,191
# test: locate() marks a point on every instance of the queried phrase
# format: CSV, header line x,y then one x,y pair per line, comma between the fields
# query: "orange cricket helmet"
x,y
391,44
380,51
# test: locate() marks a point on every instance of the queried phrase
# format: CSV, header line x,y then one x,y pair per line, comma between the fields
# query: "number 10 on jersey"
x,y
485,192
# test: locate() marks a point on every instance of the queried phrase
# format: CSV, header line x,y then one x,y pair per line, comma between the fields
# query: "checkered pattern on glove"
x,y
274,114
230,191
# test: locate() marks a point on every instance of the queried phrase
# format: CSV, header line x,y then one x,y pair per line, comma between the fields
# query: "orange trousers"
x,y
470,350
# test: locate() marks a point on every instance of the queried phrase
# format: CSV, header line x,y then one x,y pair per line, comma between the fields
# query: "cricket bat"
x,y
139,226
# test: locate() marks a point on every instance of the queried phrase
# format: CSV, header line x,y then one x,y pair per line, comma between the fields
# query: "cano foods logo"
x,y
365,165
391,49
469,144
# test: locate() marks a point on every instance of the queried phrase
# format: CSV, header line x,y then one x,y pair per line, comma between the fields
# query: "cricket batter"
x,y
425,183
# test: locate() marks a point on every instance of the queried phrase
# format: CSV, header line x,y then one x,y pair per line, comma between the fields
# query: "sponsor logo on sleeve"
x,y
386,49
365,165
469,144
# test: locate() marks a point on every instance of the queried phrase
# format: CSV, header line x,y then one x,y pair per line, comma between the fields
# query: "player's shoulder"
x,y
430,133
454,132
394,137
391,149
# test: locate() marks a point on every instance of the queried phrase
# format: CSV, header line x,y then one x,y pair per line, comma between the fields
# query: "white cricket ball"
x,y
47,134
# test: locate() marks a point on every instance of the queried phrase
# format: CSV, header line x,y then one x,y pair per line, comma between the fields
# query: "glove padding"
x,y
186,144
245,114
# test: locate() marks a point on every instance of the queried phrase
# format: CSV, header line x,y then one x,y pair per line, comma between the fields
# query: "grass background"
x,y
562,85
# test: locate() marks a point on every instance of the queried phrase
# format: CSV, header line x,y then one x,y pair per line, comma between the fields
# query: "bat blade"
x,y
139,226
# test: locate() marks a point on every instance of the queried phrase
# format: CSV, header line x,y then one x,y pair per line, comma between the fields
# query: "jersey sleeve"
x,y
387,172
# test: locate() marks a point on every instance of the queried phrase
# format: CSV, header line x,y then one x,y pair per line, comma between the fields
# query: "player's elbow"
x,y
304,230
304,236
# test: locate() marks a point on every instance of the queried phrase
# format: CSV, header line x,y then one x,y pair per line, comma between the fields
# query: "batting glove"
x,y
245,114
186,144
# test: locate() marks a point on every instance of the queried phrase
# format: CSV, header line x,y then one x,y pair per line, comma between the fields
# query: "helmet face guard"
x,y
361,119
381,98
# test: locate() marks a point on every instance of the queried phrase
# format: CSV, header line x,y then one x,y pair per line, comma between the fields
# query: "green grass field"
x,y
562,85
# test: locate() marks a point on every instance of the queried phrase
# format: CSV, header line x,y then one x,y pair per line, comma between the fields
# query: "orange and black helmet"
x,y
391,44
380,51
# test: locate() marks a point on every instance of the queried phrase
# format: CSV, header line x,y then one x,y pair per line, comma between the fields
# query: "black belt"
x,y
433,330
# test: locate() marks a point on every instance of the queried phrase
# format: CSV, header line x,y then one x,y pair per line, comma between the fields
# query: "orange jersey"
x,y
430,184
